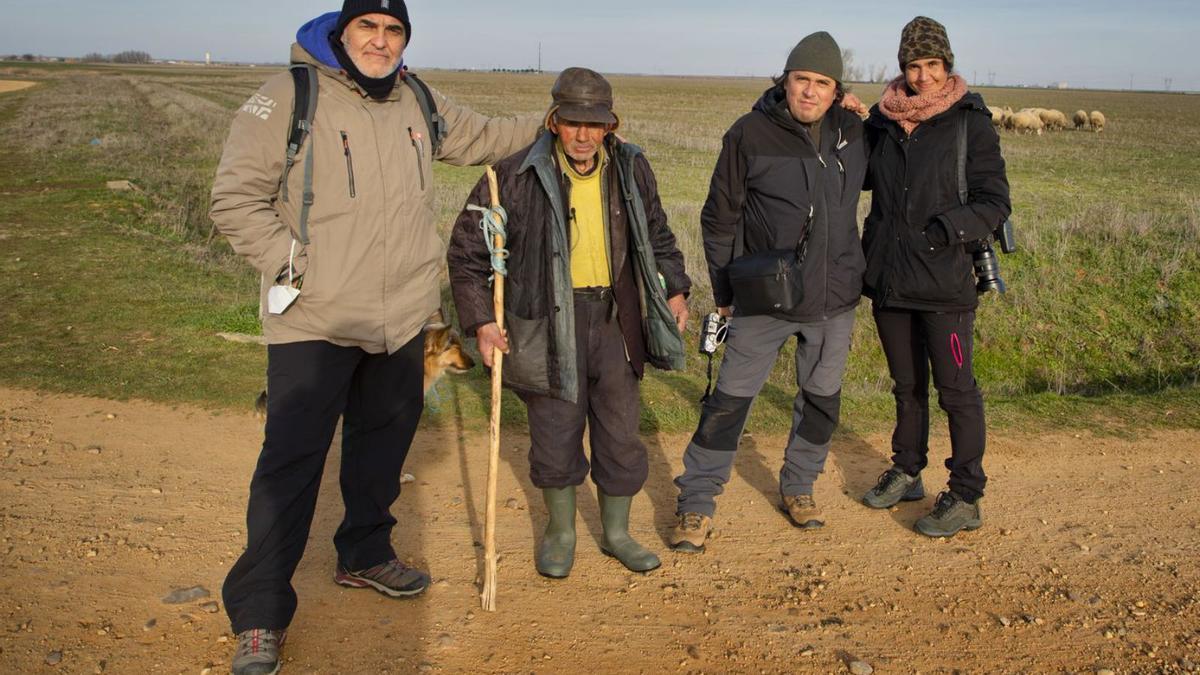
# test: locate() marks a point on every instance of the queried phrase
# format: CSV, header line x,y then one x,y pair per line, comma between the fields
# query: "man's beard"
x,y
372,71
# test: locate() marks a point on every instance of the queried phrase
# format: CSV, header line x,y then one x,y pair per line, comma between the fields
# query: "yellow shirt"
x,y
589,239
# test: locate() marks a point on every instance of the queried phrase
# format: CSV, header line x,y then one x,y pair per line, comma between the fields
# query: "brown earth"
x,y
14,85
1087,560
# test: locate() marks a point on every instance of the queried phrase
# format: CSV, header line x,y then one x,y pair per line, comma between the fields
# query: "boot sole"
x,y
614,557
359,582
687,547
969,527
808,524
277,667
554,576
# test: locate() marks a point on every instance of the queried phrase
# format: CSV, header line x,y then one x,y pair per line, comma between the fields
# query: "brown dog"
x,y
444,353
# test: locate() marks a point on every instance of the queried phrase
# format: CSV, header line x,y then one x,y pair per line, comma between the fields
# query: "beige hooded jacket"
x,y
374,258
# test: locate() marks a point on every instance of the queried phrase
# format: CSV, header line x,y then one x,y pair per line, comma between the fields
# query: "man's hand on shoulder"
x,y
855,105
489,337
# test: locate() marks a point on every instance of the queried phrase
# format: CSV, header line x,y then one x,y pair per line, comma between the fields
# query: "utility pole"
x,y
539,57
991,78
1131,82
1167,83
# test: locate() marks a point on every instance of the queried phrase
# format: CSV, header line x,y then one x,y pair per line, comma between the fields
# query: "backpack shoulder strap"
x,y
962,157
433,120
304,108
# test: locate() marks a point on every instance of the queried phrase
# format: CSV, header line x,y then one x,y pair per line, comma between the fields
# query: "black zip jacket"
x,y
918,235
769,178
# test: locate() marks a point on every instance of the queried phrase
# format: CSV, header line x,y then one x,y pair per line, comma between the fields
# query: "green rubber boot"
x,y
614,515
556,554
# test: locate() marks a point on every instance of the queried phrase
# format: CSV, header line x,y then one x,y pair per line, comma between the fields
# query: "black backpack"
x,y
304,76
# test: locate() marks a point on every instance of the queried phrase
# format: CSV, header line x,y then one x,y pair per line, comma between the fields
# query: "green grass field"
x,y
121,294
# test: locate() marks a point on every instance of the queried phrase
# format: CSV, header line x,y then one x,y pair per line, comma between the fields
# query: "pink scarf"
x,y
909,111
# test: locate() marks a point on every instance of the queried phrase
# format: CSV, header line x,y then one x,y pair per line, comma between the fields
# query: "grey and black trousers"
x,y
751,348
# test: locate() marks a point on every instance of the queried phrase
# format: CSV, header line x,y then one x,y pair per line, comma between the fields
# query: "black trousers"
x,y
915,343
607,404
309,386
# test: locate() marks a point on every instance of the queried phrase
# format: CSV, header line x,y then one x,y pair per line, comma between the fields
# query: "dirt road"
x,y
1087,560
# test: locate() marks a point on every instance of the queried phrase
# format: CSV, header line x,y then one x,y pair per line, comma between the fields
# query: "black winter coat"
x,y
918,235
769,177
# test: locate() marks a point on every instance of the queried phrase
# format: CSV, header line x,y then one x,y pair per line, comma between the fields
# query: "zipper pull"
x,y
822,160
345,143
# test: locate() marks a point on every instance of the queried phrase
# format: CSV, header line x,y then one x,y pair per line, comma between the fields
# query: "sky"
x,y
1096,44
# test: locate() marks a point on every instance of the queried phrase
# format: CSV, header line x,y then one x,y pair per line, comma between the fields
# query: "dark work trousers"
x,y
914,342
751,349
607,403
310,385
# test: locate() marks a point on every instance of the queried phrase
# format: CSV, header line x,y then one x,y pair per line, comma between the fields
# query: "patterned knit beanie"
x,y
924,38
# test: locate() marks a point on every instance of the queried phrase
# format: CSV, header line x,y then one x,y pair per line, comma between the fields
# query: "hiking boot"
x,y
894,486
556,553
392,578
950,514
258,651
689,533
616,542
803,511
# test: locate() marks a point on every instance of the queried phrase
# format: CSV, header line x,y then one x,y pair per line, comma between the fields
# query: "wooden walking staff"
x,y
496,216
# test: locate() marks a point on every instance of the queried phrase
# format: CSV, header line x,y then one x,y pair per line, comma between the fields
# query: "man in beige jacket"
x,y
350,261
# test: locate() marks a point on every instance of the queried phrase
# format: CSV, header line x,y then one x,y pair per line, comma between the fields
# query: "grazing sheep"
x,y
1097,120
1053,119
997,116
1026,123
1081,119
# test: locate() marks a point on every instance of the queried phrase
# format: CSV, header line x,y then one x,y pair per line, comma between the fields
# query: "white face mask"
x,y
279,296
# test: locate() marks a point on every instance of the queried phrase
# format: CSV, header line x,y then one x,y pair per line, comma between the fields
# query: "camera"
x,y
712,333
985,262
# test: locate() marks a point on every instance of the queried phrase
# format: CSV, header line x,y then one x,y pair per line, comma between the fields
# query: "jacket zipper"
x,y
418,145
349,161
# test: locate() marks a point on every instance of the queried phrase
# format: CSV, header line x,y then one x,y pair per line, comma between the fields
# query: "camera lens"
x,y
987,271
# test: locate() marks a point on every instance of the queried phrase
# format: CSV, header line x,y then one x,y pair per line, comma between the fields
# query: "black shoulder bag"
x,y
767,282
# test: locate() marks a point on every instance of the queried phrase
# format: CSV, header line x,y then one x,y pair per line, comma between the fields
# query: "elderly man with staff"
x,y
595,290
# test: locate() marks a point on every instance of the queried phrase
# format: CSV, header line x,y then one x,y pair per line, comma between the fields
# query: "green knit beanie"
x,y
817,53
924,38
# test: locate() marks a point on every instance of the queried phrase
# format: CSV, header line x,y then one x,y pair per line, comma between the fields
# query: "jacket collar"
x,y
302,55
541,154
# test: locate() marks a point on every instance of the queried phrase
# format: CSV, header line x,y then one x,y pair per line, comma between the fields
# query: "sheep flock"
x,y
1037,120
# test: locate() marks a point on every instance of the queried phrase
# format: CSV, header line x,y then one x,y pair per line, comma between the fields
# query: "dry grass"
x,y
1105,293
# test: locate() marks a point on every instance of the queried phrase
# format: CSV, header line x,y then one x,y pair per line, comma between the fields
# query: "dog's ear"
x,y
436,338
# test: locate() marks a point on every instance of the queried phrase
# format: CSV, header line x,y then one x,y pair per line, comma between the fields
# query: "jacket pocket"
x,y
349,161
934,274
418,144
526,366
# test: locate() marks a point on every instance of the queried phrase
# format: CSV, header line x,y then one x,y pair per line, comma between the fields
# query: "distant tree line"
x,y
852,71
128,56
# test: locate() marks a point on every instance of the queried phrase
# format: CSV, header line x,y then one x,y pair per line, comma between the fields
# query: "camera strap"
x,y
962,158
708,387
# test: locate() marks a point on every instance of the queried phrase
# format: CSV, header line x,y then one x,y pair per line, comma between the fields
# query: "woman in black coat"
x,y
918,240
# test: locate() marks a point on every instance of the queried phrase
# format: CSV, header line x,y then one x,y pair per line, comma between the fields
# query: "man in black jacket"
x,y
595,289
791,168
